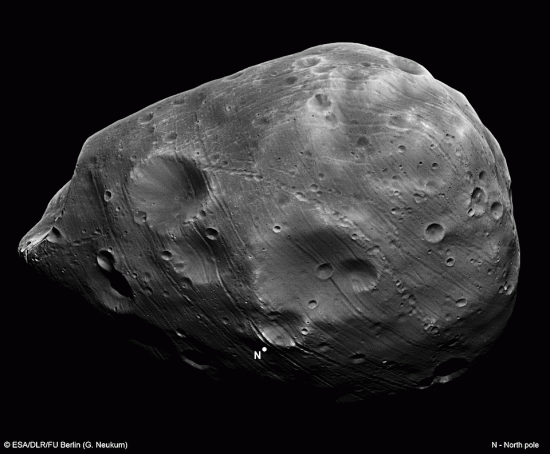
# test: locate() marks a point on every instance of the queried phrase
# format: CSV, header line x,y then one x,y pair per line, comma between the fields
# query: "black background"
x,y
69,373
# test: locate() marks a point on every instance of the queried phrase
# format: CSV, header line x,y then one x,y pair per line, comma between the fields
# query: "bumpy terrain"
x,y
336,218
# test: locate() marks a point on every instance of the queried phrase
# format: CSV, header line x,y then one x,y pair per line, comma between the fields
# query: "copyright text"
x,y
65,444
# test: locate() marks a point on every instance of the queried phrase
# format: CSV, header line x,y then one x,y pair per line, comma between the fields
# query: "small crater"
x,y
165,255
283,199
408,66
235,76
401,148
362,274
107,195
358,358
478,196
323,100
445,372
55,235
167,190
362,141
355,76
200,97
312,304
397,121
324,69
450,261
278,335
308,62
497,210
435,166
140,217
211,234
195,359
450,367
419,197
291,80
478,201
425,382
483,176
331,119
366,64
106,262
276,228
434,233
171,136
146,118
324,271
461,302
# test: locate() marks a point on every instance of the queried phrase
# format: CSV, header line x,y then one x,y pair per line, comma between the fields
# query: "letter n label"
x,y
257,355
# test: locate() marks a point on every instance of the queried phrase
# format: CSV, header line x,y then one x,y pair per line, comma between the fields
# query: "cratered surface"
x,y
336,218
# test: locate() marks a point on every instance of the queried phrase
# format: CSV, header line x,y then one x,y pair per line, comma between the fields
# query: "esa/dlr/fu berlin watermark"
x,y
65,444
514,445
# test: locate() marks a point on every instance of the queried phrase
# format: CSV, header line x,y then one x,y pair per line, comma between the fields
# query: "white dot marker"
x,y
264,349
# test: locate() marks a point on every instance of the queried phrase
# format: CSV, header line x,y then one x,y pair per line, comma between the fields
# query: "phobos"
x,y
339,210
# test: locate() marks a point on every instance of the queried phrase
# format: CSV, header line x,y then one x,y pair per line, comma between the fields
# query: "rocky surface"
x,y
336,219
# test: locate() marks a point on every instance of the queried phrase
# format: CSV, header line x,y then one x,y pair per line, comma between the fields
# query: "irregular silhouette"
x,y
336,218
